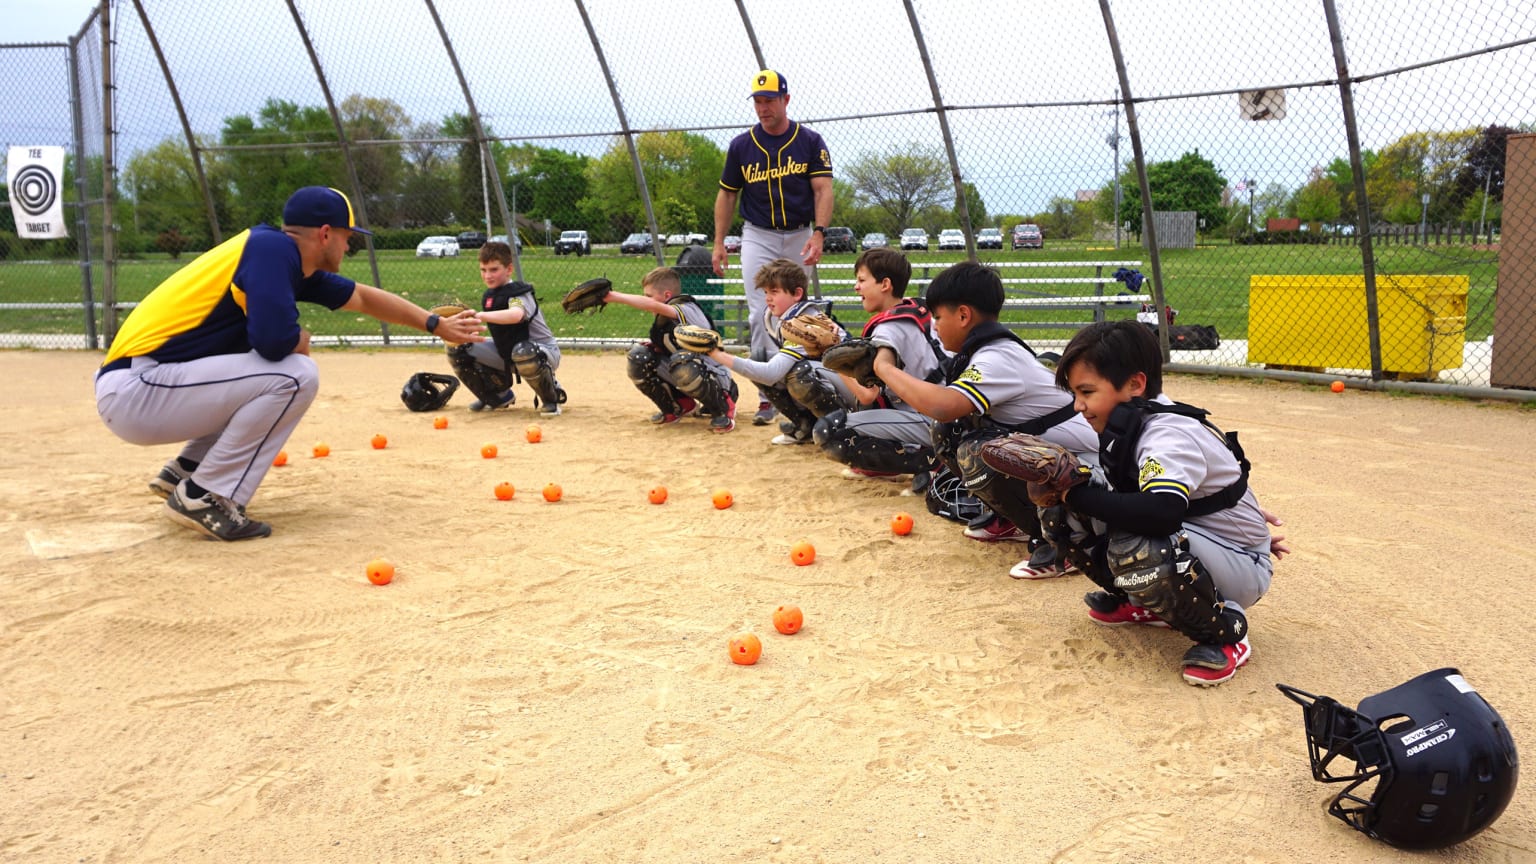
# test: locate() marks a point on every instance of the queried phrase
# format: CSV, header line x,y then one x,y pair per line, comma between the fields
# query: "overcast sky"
x,y
686,63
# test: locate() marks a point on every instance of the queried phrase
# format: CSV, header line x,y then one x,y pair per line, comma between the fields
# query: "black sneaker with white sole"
x,y
169,477
213,515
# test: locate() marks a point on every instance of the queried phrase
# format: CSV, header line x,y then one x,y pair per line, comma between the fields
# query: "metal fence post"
x,y
186,127
1148,231
108,181
82,211
658,244
508,218
962,207
358,203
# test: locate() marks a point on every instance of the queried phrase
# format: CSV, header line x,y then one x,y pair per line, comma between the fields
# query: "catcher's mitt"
x,y
856,359
696,339
814,330
1050,470
448,310
591,294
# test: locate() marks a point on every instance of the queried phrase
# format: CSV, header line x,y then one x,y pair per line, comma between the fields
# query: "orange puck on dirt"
x,y
901,524
745,648
553,492
379,442
281,458
380,572
788,620
722,499
802,553
488,451
321,450
657,495
534,433
505,491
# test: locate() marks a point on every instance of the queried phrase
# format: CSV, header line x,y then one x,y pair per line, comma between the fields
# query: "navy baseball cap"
x,y
769,83
314,206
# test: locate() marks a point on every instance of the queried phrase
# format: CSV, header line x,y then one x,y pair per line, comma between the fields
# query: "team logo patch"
x,y
825,159
761,80
970,376
1149,469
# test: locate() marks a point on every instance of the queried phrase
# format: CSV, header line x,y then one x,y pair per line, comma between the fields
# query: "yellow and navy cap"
x,y
769,83
314,206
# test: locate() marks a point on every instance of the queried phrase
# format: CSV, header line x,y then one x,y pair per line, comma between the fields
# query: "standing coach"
x,y
782,174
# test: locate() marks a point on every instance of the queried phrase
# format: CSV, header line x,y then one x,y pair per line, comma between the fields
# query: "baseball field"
x,y
550,682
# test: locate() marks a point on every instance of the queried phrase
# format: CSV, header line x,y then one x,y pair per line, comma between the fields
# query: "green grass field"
x,y
1207,285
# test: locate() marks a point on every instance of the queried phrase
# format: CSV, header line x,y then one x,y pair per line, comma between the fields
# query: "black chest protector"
x,y
507,335
980,335
662,327
1121,435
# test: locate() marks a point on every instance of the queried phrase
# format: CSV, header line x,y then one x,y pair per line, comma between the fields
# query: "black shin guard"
x,y
642,370
486,382
797,415
813,391
1159,574
695,378
1005,496
530,361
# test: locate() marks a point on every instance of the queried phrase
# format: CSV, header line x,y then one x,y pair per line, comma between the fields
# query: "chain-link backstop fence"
x,y
1339,188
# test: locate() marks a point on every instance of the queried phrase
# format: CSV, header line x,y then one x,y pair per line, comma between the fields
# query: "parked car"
x,y
989,238
471,239
637,244
914,238
437,247
687,239
838,240
951,238
502,238
1026,236
732,243
573,241
874,240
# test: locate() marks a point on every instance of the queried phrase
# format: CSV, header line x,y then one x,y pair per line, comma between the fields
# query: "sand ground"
x,y
549,682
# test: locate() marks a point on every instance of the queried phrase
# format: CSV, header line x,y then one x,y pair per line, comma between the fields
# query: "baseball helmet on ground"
x,y
1433,762
428,391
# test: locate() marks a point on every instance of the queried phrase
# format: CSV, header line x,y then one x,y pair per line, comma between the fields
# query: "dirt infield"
x,y
549,682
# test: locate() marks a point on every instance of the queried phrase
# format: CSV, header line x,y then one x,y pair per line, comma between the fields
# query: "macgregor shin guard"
x,y
1159,574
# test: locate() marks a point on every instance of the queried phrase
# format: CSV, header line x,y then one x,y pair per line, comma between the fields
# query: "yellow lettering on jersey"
x,y
1149,470
758,174
971,375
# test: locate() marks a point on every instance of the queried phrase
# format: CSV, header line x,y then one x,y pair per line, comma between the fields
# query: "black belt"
x,y
790,228
119,363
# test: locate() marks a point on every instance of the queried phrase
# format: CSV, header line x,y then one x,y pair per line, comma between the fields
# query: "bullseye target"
x,y
33,178
35,189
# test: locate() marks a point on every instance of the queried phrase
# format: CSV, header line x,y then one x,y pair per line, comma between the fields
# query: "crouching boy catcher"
x,y
1176,539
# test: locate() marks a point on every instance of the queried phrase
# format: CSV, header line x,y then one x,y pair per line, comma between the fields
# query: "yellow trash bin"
x,y
1319,322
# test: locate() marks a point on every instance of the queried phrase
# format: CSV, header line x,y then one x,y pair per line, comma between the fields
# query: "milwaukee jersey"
x,y
1182,456
1006,383
236,297
772,175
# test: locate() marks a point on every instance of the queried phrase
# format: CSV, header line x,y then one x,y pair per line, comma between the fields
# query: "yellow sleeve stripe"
x,y
976,396
1165,485
793,351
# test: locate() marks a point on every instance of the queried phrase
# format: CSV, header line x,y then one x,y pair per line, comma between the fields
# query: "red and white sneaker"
x,y
1116,611
997,530
1206,665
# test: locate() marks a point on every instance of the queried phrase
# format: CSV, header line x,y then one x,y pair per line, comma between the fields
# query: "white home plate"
x,y
69,540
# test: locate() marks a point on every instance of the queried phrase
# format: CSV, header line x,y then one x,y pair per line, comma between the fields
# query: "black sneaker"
x,y
213,515
506,399
168,479
727,421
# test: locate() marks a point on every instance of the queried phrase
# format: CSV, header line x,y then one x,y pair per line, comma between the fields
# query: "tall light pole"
x,y
1423,214
1249,184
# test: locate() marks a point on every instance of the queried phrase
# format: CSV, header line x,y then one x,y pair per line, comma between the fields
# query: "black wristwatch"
x,y
820,229
432,322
